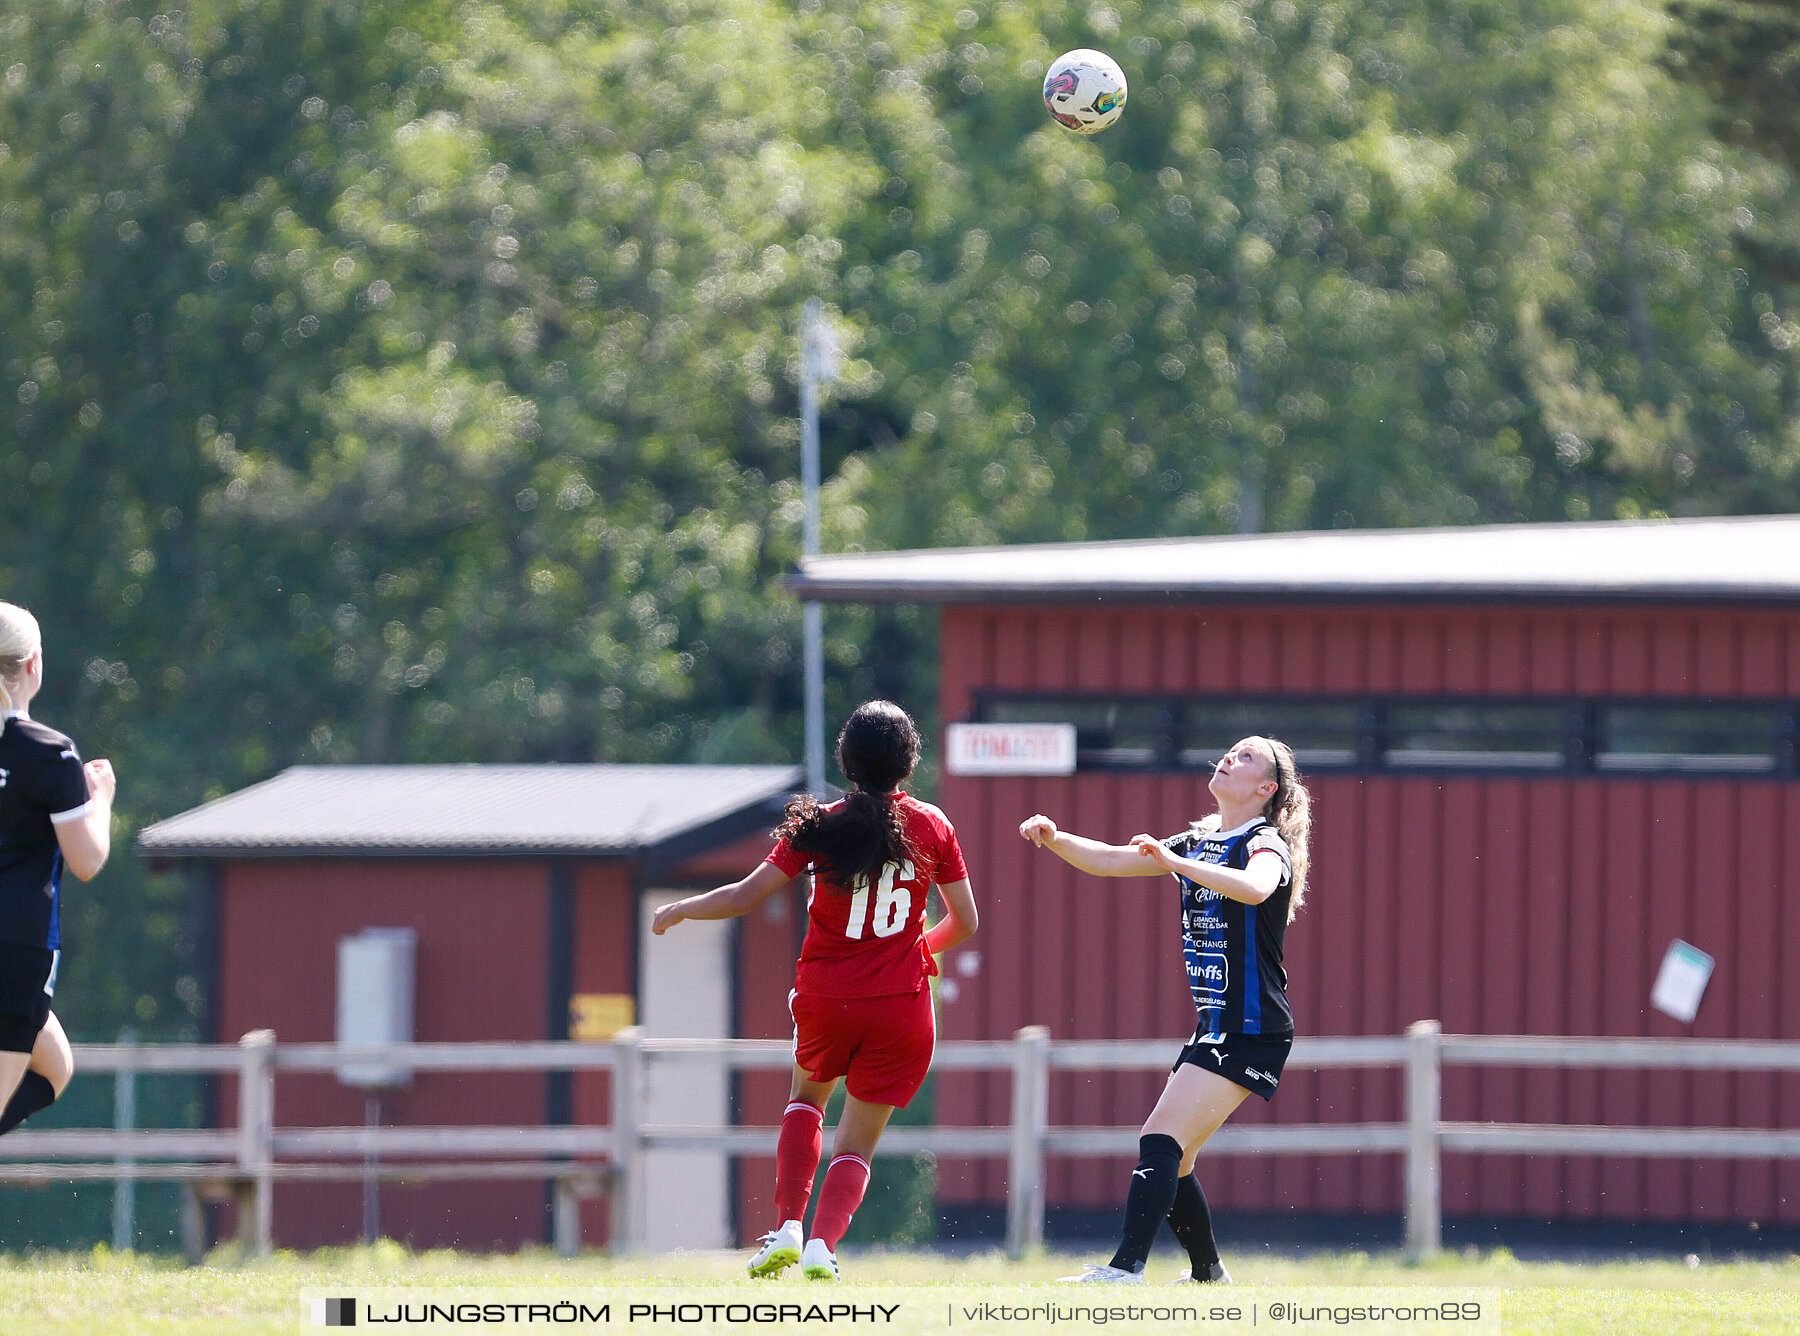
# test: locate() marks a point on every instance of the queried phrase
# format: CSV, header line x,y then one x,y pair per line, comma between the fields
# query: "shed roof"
x,y
1739,559
413,810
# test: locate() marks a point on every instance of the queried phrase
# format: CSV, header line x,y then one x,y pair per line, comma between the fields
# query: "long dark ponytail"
x,y
876,751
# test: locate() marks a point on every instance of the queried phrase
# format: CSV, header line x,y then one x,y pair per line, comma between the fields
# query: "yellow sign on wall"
x,y
597,1017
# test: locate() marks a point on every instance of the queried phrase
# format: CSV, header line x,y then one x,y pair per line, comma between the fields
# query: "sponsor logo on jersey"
x,y
1261,1076
1209,972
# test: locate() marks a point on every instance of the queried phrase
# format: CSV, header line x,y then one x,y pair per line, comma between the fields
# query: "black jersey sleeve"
x,y
1268,838
49,774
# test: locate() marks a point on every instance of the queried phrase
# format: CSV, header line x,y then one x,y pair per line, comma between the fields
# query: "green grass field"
x,y
60,1293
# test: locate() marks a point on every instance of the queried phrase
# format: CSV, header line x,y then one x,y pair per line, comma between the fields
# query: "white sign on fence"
x,y
1010,749
1681,981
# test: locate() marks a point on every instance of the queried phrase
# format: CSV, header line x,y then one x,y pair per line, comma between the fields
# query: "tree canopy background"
x,y
417,381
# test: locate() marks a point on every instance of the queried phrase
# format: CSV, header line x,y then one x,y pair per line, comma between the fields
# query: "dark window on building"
x,y
1322,733
1398,733
1110,734
1460,736
1732,739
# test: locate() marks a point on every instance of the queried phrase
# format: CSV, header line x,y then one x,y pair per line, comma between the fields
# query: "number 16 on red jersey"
x,y
893,902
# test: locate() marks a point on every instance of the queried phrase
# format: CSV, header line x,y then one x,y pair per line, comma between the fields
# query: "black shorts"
x,y
1253,1061
27,979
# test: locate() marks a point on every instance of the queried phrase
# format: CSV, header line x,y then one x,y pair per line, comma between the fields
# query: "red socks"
x,y
797,1159
845,1182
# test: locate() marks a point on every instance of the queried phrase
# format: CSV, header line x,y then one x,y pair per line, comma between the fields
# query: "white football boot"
x,y
1217,1275
780,1250
818,1262
1104,1275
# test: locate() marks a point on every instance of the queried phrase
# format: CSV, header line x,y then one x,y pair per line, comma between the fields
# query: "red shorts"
x,y
881,1045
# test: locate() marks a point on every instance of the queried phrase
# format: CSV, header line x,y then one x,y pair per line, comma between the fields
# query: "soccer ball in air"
x,y
1085,90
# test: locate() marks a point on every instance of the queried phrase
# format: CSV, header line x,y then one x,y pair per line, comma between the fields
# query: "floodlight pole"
x,y
814,354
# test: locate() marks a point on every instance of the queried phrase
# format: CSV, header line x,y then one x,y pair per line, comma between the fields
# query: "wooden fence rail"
x,y
244,1162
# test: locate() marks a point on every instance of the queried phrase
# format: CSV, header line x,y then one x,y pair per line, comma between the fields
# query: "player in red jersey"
x,y
861,1002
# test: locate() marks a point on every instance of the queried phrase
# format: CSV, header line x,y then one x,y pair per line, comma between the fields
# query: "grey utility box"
x,y
375,1000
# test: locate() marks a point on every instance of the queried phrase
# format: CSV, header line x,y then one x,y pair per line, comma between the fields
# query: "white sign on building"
x,y
1681,982
1010,749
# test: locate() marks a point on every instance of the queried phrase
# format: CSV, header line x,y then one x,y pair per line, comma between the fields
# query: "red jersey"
x,y
869,941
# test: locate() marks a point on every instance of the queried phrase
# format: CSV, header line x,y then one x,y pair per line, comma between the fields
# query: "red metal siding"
x,y
1498,905
715,867
481,968
605,961
1787,1010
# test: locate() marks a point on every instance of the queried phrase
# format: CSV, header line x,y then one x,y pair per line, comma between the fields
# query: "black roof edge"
x,y
871,591
677,849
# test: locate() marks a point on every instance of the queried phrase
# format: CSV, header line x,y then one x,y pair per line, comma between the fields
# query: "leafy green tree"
x,y
1742,54
1387,264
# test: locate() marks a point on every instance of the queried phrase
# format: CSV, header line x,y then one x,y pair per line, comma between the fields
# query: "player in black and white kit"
x,y
1242,873
55,812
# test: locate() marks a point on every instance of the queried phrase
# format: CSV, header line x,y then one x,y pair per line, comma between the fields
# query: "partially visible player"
x,y
1242,873
54,813
861,1001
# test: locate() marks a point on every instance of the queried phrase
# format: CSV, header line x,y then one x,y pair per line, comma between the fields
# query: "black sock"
x,y
1147,1204
1191,1222
34,1093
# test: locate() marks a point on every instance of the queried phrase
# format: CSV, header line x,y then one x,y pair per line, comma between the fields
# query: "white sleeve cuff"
x,y
1286,864
73,814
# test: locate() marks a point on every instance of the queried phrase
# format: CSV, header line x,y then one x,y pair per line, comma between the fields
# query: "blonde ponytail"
x,y
19,640
1291,810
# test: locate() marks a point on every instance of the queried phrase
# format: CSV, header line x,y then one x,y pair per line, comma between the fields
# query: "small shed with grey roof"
x,y
1539,754
528,887
655,815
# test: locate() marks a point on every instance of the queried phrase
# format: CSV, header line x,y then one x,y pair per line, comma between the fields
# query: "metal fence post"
x,y
628,1144
1424,1111
192,1224
1030,1117
256,1143
565,1217
124,1221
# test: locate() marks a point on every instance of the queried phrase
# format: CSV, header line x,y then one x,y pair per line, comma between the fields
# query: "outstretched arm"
x,y
739,898
1102,860
1252,886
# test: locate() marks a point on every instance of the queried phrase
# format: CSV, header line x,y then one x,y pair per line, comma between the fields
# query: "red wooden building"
x,y
1539,754
528,888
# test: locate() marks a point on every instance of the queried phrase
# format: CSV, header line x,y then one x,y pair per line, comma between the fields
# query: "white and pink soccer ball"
x,y
1085,90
